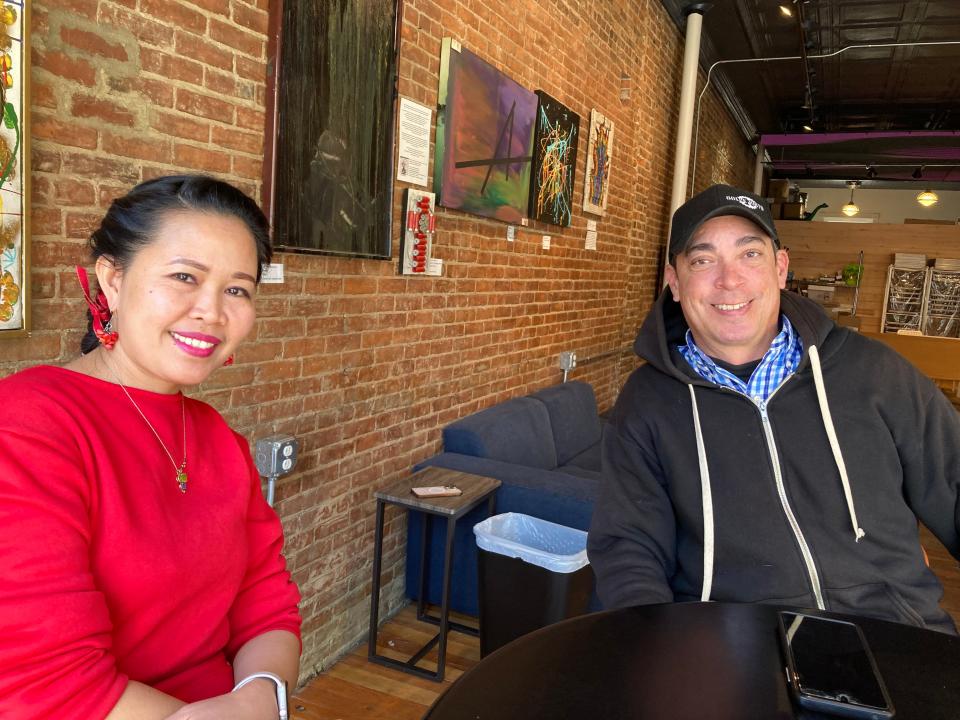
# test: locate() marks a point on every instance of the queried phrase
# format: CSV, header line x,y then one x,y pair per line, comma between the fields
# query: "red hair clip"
x,y
100,311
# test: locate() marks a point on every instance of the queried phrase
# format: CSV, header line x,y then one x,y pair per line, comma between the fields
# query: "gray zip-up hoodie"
x,y
810,499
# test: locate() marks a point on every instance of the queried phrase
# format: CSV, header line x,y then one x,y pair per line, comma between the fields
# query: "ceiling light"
x,y
785,11
928,198
850,209
807,128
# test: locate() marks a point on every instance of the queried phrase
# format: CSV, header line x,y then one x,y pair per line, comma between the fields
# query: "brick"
x,y
43,284
159,92
87,106
42,95
92,43
99,167
204,51
80,225
237,140
204,106
250,119
220,83
176,14
180,126
74,192
44,160
251,18
143,28
200,158
255,70
214,6
157,150
62,65
45,221
170,66
247,167
106,194
44,127
37,348
237,38
84,8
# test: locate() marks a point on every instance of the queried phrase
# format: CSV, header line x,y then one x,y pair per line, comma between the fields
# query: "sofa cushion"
x,y
588,460
572,407
516,431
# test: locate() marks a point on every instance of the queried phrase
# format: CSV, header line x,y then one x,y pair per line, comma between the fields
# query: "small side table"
x,y
476,490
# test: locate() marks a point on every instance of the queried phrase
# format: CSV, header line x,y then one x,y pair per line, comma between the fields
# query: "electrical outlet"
x,y
275,455
568,360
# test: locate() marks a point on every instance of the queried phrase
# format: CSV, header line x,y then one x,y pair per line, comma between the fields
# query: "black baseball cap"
x,y
714,202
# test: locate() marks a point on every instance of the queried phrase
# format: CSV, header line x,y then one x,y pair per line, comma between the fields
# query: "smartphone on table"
x,y
830,668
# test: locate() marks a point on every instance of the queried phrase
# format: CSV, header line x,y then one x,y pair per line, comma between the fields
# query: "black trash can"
x,y
532,573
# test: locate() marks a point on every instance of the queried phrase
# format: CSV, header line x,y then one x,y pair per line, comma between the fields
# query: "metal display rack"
x,y
941,316
904,300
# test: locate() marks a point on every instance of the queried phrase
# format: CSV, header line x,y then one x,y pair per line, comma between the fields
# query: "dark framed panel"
x,y
555,139
328,166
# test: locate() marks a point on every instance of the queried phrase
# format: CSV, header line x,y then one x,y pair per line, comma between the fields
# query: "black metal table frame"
x,y
410,666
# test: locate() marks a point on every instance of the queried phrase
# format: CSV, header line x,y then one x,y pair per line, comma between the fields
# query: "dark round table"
x,y
702,661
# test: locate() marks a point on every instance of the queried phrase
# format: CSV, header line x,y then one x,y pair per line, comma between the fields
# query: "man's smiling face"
x,y
728,282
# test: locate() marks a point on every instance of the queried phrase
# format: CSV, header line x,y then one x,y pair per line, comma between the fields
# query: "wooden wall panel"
x,y
818,247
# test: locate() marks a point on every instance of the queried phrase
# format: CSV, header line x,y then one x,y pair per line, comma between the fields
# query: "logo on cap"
x,y
747,202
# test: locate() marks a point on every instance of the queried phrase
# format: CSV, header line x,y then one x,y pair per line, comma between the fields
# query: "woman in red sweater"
x,y
141,573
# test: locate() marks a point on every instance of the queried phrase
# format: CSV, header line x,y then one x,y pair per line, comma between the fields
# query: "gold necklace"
x,y
181,470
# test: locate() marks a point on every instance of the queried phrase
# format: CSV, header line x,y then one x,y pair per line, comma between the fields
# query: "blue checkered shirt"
x,y
778,363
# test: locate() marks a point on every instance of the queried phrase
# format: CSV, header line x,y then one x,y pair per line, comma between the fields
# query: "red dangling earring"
x,y
100,311
228,362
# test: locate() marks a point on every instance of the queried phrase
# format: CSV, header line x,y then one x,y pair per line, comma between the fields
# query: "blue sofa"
x,y
544,448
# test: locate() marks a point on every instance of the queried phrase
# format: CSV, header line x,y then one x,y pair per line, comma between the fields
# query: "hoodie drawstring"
x,y
834,445
707,500
707,495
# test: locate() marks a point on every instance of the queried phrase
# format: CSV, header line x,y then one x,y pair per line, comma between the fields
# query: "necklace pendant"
x,y
182,478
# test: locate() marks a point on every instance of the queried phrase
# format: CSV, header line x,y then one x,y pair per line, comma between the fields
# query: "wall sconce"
x,y
928,198
850,209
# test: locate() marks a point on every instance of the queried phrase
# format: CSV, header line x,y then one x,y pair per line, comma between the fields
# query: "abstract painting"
x,y
599,156
555,139
484,138
328,184
14,170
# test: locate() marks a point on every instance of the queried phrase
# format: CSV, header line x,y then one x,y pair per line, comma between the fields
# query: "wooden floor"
x,y
355,689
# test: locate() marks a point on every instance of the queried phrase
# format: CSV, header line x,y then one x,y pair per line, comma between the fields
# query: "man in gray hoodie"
x,y
764,454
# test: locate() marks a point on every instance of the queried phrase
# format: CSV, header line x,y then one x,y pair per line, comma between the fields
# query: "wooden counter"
x,y
937,358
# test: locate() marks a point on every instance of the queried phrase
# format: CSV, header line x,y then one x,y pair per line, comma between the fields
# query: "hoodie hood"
x,y
665,328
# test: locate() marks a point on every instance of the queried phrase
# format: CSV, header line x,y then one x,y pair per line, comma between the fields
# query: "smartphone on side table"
x,y
830,668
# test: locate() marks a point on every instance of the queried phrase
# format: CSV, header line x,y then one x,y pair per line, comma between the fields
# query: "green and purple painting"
x,y
484,138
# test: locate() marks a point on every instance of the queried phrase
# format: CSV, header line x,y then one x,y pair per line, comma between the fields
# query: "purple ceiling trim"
x,y
824,138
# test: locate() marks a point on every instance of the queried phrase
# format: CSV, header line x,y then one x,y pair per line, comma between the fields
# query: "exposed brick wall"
x,y
363,366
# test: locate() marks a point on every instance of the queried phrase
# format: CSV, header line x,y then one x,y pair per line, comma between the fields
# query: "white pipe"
x,y
691,65
758,170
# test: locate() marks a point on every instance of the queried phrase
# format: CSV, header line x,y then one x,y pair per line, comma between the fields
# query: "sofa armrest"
x,y
547,494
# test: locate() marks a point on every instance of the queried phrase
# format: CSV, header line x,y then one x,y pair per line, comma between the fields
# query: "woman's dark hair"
x,y
132,220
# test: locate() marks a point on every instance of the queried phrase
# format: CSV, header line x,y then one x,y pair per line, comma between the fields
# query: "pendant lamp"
x,y
928,198
850,209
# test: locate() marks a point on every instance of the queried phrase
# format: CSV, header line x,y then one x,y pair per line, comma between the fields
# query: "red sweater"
x,y
109,573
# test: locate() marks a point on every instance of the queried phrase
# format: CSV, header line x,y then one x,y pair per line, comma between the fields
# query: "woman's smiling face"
x,y
184,302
